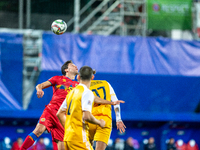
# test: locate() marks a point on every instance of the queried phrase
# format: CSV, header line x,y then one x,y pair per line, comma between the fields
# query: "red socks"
x,y
29,141
54,145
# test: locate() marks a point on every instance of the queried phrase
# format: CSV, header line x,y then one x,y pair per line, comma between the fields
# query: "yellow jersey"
x,y
102,89
78,100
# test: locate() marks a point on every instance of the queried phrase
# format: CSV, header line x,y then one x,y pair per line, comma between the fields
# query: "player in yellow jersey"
x,y
78,107
105,91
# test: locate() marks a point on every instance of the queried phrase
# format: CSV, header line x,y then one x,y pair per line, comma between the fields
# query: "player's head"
x,y
86,73
69,67
19,140
151,140
171,140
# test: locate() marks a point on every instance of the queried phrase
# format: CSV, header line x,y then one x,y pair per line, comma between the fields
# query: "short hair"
x,y
65,66
86,73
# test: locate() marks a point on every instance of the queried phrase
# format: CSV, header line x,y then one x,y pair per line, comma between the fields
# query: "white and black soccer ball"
x,y
58,27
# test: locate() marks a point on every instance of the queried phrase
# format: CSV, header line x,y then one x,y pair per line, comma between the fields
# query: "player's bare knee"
x,y
100,145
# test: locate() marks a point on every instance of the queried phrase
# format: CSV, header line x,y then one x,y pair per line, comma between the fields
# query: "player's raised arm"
x,y
41,86
119,122
99,100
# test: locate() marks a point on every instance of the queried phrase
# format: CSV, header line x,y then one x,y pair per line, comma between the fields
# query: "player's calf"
x,y
29,141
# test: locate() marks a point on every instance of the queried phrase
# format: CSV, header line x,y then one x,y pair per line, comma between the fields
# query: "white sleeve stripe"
x,y
112,93
87,100
114,98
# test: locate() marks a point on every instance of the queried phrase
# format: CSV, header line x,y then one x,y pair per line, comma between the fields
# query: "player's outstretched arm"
x,y
41,86
120,125
114,99
117,102
99,100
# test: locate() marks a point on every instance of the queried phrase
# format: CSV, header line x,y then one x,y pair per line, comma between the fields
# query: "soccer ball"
x,y
58,27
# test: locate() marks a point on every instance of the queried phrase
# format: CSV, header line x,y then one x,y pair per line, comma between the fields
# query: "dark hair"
x,y
86,73
65,66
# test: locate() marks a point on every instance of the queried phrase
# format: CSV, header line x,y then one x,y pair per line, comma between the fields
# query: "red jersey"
x,y
62,85
15,146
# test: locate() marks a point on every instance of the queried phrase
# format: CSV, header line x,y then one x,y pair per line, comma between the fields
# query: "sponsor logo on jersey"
x,y
64,80
61,87
69,88
64,87
95,83
42,119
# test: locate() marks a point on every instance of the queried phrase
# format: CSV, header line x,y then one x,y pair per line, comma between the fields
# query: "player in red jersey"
x,y
48,120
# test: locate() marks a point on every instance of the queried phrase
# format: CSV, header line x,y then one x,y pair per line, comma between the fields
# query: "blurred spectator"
x,y
129,144
128,20
192,145
40,144
171,144
136,144
6,144
150,145
180,145
110,145
119,144
17,144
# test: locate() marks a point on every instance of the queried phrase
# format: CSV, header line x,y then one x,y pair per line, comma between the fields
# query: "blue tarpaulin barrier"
x,y
155,76
11,63
127,55
7,101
